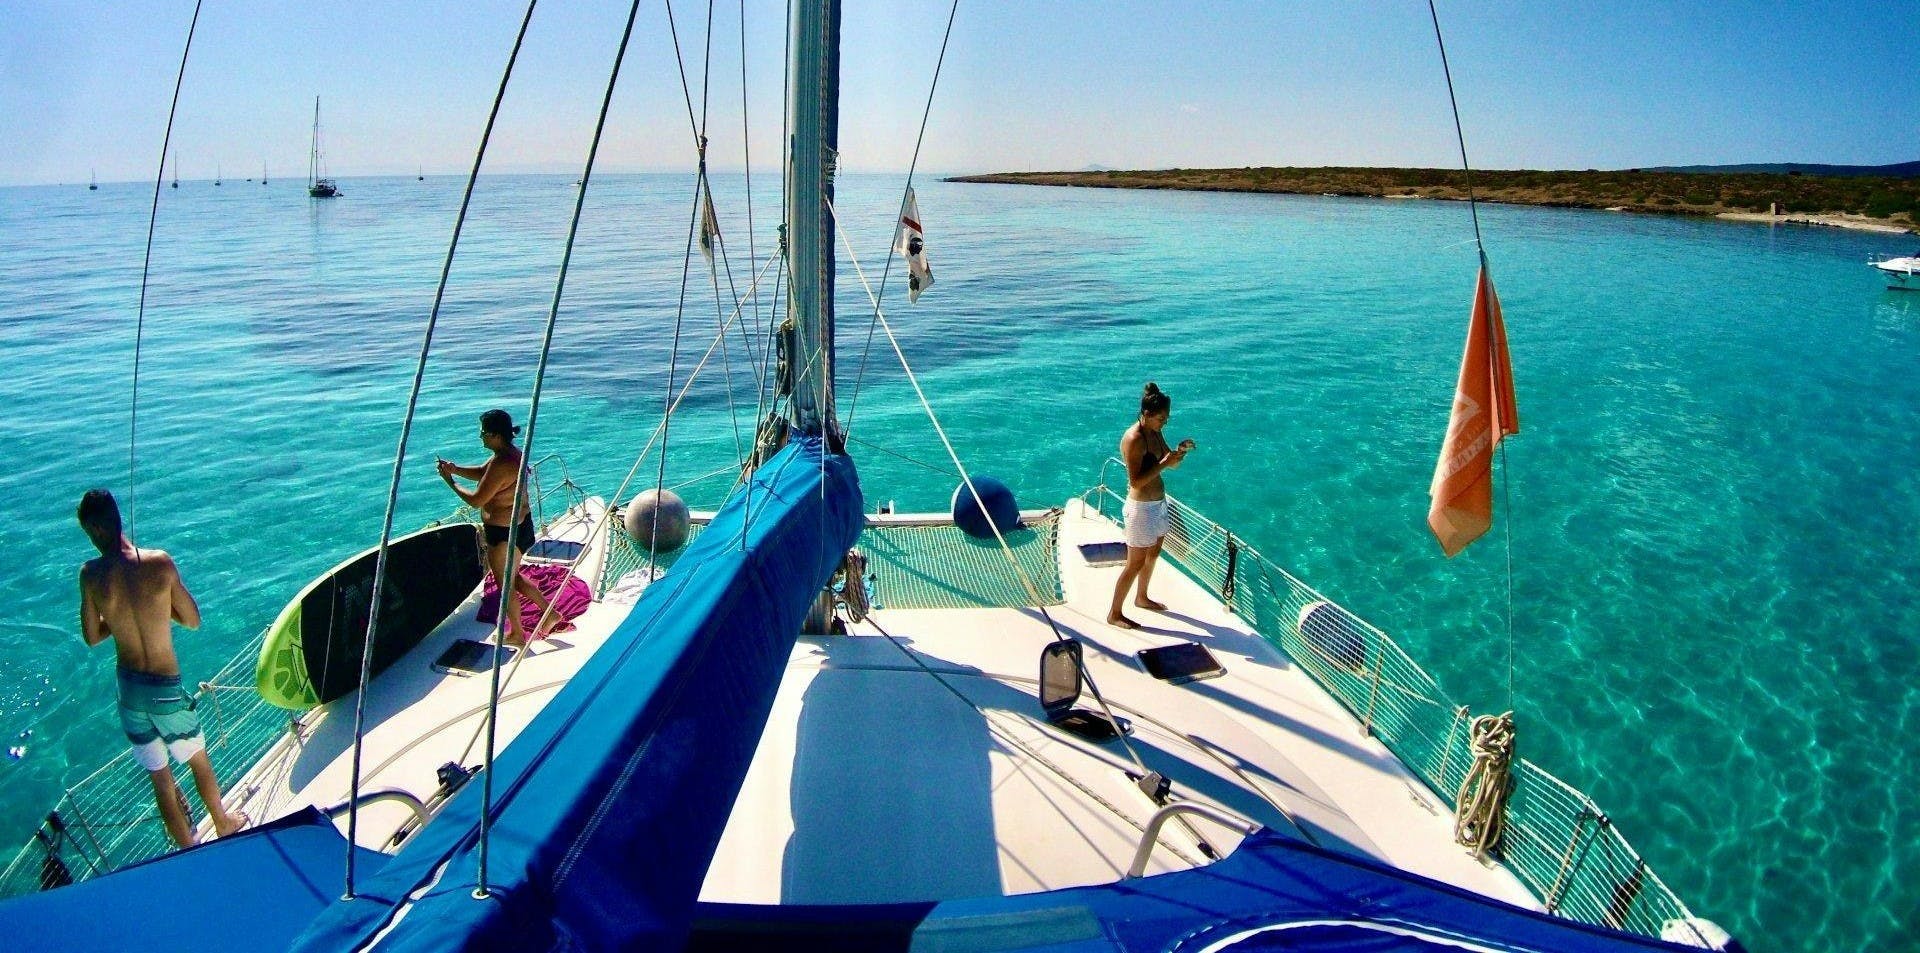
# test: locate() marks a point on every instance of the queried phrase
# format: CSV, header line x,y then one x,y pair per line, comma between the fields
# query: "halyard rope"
x,y
886,269
605,522
146,263
1033,592
1473,208
533,417
1021,747
400,453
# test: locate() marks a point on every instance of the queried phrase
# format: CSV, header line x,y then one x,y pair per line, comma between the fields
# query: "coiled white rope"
x,y
1480,806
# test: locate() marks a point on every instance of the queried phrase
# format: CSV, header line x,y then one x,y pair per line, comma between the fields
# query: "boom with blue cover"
x,y
609,805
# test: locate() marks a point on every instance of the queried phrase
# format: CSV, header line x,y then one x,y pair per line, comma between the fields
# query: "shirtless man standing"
x,y
1144,450
495,491
133,596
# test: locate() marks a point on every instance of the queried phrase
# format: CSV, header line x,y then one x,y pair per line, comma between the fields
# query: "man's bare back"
x,y
134,597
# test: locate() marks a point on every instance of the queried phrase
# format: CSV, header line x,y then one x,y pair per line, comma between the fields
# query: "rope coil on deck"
x,y
1480,807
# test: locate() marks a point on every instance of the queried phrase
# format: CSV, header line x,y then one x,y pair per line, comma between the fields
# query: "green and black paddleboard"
x,y
312,652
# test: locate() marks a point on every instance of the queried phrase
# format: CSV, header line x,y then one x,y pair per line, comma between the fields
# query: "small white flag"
x,y
709,223
911,243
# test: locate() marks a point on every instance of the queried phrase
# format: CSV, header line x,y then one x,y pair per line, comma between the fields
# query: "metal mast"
x,y
313,160
813,121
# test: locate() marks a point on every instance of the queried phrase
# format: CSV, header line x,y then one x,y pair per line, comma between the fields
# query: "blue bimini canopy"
x,y
609,805
254,890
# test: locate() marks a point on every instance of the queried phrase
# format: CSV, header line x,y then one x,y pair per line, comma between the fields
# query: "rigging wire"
x,y
1220,756
746,149
686,260
533,418
1473,208
1014,743
719,238
605,523
673,361
853,404
1033,592
765,367
146,263
406,431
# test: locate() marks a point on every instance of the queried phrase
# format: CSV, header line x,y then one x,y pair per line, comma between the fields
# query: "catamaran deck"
x,y
921,766
910,760
419,717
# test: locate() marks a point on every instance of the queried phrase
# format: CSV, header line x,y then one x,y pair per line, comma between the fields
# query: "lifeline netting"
x,y
1558,841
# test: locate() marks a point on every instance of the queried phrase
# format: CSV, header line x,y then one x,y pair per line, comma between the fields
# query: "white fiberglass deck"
x,y
875,783
419,718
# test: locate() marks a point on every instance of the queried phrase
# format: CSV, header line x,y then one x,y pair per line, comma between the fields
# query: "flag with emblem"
x,y
911,242
709,223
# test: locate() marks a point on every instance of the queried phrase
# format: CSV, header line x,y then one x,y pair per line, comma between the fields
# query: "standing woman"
x,y
498,492
1144,451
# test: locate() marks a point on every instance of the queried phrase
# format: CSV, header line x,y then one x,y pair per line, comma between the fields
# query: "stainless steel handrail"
x,y
404,798
1151,836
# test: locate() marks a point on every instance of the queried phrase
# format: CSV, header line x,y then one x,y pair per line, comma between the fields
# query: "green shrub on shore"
x,y
1896,200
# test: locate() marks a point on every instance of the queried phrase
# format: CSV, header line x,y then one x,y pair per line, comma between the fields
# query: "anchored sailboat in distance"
x,y
93,181
318,185
737,749
176,170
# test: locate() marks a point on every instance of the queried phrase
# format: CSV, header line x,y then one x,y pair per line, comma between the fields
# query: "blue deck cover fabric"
x,y
609,805
1319,900
255,890
1274,893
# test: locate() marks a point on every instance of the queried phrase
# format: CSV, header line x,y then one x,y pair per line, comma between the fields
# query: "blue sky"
x,y
1036,85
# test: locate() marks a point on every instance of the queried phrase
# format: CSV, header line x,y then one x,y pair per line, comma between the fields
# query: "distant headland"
x,y
1846,197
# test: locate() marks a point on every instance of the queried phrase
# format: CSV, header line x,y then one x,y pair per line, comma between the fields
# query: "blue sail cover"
x,y
252,891
1275,893
609,805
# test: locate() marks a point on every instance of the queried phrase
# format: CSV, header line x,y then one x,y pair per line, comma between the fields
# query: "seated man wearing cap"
x,y
498,489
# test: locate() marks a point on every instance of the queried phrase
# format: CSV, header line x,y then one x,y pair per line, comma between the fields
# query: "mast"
x,y
813,118
313,161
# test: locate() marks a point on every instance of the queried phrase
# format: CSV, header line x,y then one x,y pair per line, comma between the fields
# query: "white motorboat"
x,y
1902,274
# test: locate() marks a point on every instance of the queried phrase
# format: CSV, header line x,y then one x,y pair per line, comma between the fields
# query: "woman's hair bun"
x,y
1152,401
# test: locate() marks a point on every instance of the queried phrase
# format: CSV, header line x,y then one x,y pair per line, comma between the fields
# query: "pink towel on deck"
x,y
568,593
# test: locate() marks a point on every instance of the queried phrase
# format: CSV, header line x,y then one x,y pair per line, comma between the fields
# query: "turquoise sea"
x,y
1714,500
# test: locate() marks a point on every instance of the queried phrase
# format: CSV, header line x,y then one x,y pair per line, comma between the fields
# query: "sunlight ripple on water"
x,y
1714,497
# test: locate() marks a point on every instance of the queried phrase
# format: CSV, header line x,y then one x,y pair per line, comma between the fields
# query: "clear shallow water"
x,y
1714,498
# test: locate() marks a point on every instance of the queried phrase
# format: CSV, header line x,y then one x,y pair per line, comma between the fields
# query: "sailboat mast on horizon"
x,y
176,169
318,185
